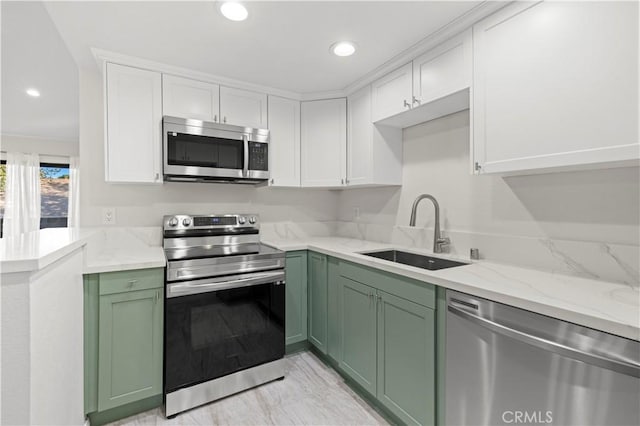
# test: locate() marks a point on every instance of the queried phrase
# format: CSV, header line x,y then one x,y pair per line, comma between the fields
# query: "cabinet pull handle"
x,y
342,181
215,118
132,282
224,120
157,295
416,100
407,104
271,181
157,176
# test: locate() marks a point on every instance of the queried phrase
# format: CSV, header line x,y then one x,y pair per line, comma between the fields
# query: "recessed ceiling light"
x,y
234,11
343,48
33,93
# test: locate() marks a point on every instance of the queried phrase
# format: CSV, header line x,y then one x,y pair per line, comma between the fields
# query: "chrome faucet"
x,y
438,242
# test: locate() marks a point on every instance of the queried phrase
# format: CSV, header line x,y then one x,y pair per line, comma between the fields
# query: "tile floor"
x,y
311,394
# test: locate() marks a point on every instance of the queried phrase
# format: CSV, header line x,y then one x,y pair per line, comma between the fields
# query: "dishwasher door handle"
x,y
628,368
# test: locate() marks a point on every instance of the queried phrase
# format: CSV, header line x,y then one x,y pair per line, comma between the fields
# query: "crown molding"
x,y
452,29
102,56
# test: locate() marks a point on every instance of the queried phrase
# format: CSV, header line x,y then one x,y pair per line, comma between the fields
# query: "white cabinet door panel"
x,y
324,138
443,70
556,84
243,107
134,119
284,143
186,98
392,93
360,138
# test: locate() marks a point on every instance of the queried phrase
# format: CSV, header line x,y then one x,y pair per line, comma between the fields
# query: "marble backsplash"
x,y
588,259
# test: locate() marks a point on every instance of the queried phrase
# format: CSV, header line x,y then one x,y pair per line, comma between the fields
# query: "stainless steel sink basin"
x,y
412,259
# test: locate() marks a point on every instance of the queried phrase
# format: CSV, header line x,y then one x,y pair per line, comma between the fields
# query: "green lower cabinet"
x,y
334,341
318,301
296,297
406,359
123,343
130,347
388,341
358,333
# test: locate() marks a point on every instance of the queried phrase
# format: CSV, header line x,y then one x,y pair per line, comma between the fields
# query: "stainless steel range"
x,y
224,311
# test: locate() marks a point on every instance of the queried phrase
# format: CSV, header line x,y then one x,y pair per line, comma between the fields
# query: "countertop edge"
x,y
565,314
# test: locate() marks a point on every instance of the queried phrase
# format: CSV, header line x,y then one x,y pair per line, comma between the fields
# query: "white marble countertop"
x,y
37,250
610,307
106,250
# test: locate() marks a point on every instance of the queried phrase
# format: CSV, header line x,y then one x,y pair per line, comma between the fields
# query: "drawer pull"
x,y
132,282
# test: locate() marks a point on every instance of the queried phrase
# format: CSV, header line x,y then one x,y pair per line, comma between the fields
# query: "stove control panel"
x,y
183,222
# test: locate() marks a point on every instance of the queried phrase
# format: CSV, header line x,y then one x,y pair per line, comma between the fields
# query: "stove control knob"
x,y
242,220
173,221
252,220
186,221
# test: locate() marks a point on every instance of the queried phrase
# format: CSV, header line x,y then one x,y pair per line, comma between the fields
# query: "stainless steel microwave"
x,y
201,151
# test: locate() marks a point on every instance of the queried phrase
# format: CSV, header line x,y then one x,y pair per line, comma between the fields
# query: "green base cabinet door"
x,y
358,333
318,301
296,297
130,347
406,359
334,341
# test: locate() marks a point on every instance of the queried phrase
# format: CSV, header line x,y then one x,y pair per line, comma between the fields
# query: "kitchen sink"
x,y
412,259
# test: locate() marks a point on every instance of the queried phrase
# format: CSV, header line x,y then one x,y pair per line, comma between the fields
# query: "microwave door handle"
x,y
245,140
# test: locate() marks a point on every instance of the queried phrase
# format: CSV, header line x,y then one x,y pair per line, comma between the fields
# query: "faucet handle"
x,y
441,243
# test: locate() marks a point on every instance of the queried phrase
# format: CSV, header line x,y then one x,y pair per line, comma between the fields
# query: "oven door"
x,y
222,325
204,152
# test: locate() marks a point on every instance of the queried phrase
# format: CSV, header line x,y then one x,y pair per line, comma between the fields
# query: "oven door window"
x,y
204,151
210,335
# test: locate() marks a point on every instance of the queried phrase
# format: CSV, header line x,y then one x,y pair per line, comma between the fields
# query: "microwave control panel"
x,y
258,156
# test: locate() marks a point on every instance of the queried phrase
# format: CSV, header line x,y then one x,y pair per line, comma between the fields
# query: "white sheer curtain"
x,y
22,194
73,219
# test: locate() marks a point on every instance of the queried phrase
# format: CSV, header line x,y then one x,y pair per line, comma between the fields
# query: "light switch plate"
x,y
109,216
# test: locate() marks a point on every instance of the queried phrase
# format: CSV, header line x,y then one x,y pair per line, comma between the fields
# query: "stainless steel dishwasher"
x,y
505,365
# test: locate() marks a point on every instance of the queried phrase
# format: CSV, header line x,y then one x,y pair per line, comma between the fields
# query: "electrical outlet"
x,y
356,213
109,216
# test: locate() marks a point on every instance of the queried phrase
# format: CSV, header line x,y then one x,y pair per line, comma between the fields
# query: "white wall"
x,y
596,206
144,205
12,143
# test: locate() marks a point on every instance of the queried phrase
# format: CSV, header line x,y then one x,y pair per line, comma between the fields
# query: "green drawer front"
x,y
407,288
138,279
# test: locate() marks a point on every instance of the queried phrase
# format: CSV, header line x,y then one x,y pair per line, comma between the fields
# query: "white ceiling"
x,y
34,55
284,45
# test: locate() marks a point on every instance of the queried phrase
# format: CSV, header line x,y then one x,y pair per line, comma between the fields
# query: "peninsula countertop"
x,y
610,307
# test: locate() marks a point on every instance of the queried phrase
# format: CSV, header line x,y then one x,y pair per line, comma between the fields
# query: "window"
x,y
54,193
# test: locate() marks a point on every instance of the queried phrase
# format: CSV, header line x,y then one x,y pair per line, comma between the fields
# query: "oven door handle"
x,y
222,283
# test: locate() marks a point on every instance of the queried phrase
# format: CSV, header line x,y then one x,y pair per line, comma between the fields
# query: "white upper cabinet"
x,y
324,139
133,121
374,153
392,94
186,98
556,85
243,107
284,143
443,70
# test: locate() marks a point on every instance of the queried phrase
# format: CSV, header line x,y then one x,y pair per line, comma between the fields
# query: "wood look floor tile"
x,y
310,394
